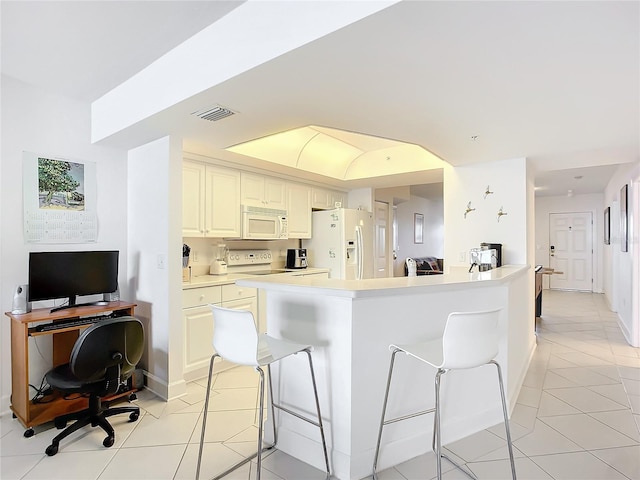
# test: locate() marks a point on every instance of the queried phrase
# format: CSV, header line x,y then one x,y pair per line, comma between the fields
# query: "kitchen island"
x,y
351,323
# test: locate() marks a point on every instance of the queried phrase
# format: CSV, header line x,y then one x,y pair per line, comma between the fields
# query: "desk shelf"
x,y
22,326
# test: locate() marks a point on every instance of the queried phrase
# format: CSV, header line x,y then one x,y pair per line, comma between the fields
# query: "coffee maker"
x,y
296,258
487,257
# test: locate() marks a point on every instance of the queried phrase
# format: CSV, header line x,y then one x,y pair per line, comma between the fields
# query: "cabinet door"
x,y
198,337
336,197
252,189
223,202
275,193
320,198
193,198
299,210
260,191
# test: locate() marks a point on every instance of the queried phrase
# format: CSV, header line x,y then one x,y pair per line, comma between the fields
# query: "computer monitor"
x,y
54,275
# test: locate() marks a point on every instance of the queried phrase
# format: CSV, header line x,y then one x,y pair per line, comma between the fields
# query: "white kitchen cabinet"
x,y
262,191
299,210
210,201
325,199
199,324
193,199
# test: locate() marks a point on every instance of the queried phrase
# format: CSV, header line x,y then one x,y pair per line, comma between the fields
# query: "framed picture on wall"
x,y
418,228
607,225
624,227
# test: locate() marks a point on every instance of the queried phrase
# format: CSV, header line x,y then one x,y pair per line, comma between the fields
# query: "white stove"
x,y
254,262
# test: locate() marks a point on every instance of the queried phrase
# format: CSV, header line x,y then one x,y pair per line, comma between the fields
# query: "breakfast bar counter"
x,y
351,323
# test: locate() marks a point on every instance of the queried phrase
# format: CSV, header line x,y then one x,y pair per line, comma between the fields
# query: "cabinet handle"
x,y
201,297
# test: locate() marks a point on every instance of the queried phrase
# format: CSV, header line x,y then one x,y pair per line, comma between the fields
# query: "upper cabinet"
x,y
299,210
210,201
260,191
325,199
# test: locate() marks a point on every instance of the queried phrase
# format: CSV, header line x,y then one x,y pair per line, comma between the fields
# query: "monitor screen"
x,y
71,274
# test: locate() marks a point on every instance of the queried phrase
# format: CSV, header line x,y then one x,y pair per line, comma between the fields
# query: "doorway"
x,y
571,251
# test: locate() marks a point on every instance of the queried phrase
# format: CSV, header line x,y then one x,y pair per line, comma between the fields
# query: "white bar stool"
x,y
236,339
470,340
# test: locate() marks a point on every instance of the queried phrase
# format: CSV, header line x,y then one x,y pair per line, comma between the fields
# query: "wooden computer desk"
x,y
24,326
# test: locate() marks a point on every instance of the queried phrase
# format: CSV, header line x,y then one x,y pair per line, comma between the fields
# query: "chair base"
x,y
96,416
436,442
261,448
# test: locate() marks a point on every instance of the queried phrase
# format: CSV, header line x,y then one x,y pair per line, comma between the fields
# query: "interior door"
x,y
381,257
571,251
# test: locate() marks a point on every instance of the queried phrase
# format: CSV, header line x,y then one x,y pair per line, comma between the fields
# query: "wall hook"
x,y
487,192
501,213
469,209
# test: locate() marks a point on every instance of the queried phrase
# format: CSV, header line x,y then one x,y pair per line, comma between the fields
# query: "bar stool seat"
x,y
236,340
470,340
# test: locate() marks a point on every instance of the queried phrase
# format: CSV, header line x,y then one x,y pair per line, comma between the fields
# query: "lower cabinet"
x,y
198,323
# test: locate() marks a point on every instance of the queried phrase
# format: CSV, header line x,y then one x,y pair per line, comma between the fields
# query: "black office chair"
x,y
103,357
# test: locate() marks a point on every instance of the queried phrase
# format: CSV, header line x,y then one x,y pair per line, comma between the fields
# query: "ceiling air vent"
x,y
213,114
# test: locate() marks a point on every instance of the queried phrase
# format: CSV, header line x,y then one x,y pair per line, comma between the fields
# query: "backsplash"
x,y
203,250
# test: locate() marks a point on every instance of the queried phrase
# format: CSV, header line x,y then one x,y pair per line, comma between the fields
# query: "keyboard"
x,y
75,322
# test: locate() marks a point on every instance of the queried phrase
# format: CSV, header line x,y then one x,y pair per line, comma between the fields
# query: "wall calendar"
x,y
59,200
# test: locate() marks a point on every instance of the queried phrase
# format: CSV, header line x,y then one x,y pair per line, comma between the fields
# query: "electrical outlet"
x,y
162,261
462,256
194,256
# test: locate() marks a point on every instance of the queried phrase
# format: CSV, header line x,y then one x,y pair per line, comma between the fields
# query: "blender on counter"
x,y
219,265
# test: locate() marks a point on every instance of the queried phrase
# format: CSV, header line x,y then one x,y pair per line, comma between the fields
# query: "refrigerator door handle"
x,y
359,256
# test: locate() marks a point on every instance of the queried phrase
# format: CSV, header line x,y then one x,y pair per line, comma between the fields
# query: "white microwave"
x,y
260,223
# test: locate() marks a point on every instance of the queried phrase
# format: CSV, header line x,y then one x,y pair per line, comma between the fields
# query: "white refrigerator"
x,y
342,240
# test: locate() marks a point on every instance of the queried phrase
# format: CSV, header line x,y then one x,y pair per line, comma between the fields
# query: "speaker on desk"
x,y
20,303
111,296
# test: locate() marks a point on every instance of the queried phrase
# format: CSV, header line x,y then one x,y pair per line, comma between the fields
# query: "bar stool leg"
x,y
260,421
315,394
273,410
204,415
436,422
384,411
506,419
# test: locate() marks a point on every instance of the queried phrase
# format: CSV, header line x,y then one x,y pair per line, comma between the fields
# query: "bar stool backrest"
x,y
470,339
235,336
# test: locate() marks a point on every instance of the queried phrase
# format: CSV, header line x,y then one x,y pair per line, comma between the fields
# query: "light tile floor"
x,y
577,417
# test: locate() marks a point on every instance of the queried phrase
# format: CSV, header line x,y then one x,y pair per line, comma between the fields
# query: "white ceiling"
x,y
556,82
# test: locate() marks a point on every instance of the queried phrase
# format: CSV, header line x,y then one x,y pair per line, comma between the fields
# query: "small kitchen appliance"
x,y
296,258
219,265
484,259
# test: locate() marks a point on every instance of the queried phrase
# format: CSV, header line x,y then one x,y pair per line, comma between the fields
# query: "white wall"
x,y
433,240
594,204
38,122
155,256
509,180
621,268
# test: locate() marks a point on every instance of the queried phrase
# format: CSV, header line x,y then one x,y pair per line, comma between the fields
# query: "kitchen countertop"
x,y
230,278
456,278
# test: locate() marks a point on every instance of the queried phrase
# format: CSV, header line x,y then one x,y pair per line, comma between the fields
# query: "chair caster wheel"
x,y
59,424
108,442
51,450
133,397
29,432
13,415
133,416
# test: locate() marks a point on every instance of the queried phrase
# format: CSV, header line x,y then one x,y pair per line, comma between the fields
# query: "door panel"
x,y
381,260
570,235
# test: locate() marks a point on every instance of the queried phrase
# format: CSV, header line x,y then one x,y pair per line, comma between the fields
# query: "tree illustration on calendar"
x,y
60,185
